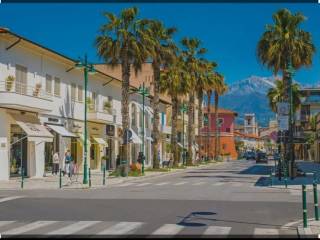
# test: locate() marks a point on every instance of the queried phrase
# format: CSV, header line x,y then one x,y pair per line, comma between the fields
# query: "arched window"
x,y
133,115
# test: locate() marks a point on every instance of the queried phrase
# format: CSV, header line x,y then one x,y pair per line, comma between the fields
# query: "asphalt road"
x,y
226,199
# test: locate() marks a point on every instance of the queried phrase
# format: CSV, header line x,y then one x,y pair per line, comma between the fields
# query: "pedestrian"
x,y
55,163
118,161
68,163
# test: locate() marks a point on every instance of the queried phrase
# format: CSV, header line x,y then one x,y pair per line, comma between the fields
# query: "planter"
x,y
36,90
9,83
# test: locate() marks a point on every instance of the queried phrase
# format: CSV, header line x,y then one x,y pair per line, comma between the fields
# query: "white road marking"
x,y
4,223
168,229
236,184
125,184
142,184
217,230
73,228
10,198
266,231
28,227
199,183
121,228
161,184
179,183
218,184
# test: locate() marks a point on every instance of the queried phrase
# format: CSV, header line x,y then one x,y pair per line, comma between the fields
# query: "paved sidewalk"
x,y
52,182
312,231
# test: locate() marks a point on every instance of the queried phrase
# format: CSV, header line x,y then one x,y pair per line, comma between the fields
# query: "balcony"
x,y
106,115
24,97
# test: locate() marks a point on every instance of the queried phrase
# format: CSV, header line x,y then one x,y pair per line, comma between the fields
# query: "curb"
x,y
306,232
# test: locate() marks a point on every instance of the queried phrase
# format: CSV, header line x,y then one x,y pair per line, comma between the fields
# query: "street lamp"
x,y
87,69
183,109
291,71
142,90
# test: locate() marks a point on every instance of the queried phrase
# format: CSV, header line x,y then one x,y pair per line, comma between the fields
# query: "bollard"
x,y
285,176
104,175
60,178
304,205
271,178
22,176
89,177
315,199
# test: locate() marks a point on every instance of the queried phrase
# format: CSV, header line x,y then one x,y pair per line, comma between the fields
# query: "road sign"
x,y
283,108
283,123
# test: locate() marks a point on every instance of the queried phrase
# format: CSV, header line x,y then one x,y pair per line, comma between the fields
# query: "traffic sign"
x,y
283,108
283,123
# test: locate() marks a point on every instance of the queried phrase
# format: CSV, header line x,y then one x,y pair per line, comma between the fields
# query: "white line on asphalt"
x,y
4,223
168,229
218,184
121,228
161,184
217,230
142,184
28,227
125,184
73,228
179,183
10,198
199,183
266,231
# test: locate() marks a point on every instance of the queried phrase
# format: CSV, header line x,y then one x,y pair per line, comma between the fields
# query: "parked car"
x,y
262,157
250,155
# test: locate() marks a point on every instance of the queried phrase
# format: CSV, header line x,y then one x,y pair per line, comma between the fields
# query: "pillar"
x,y
4,146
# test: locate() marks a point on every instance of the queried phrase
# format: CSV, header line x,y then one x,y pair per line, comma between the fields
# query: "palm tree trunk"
x,y
200,117
156,134
209,127
174,137
125,103
216,141
190,128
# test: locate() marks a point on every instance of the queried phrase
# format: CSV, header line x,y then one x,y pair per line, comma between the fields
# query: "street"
x,y
221,199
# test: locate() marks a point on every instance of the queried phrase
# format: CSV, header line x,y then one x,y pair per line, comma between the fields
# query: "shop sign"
x,y
110,130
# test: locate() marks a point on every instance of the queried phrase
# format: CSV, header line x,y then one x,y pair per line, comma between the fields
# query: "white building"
x,y
42,111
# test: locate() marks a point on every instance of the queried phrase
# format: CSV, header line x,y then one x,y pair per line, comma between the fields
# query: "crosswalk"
x,y
185,183
99,228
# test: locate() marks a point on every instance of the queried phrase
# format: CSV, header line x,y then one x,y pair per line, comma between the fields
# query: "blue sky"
x,y
229,31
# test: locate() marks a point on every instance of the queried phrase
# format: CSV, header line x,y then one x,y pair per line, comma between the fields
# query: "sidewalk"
x,y
312,231
52,182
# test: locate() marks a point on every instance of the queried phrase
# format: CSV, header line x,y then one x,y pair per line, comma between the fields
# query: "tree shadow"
x,y
187,223
258,170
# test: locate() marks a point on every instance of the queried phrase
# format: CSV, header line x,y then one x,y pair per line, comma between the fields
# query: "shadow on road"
x,y
258,170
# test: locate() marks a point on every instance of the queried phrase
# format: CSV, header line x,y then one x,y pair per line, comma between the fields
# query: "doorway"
x,y
18,151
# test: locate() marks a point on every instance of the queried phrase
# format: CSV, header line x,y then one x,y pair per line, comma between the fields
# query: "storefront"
x,y
27,144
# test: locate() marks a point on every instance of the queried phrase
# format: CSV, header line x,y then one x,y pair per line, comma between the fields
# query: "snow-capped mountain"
x,y
249,96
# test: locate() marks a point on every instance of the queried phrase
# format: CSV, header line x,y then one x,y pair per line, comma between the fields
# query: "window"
x,y
227,129
94,99
80,93
141,118
73,92
21,79
57,86
48,84
224,146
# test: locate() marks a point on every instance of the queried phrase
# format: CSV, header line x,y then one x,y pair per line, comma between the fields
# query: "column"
x,y
4,146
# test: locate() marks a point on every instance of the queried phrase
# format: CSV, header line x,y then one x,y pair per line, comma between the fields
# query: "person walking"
x,y
55,163
68,163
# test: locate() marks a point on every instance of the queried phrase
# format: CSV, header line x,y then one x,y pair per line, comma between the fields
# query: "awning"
x,y
147,109
32,127
61,131
135,138
180,145
81,139
100,141
149,138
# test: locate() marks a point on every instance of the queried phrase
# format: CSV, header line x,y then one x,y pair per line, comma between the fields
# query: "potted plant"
x,y
107,106
9,82
36,90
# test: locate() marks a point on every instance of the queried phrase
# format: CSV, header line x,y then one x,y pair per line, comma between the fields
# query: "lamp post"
x,y
87,69
144,92
206,121
183,109
290,71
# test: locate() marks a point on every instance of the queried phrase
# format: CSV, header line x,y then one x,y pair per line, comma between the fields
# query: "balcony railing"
x,y
24,89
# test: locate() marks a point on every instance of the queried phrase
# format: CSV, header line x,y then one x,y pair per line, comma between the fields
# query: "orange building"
x,y
225,131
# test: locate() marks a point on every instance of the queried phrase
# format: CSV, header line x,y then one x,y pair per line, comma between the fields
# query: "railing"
x,y
24,89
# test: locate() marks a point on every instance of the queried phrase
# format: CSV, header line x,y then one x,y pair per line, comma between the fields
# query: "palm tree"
x,y
277,93
120,42
160,45
190,53
220,88
285,42
173,81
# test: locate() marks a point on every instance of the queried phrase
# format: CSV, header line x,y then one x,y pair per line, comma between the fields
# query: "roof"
x,y
220,110
236,133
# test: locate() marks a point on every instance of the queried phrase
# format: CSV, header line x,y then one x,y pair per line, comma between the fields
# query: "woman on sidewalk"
x,y
55,163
